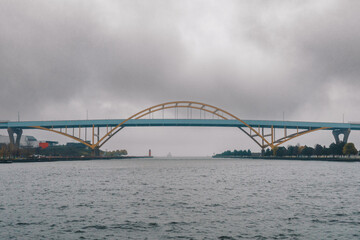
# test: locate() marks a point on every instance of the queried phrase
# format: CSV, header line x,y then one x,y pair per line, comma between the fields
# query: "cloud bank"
x,y
113,58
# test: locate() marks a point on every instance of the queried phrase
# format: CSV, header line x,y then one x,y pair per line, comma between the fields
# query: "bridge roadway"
x,y
178,123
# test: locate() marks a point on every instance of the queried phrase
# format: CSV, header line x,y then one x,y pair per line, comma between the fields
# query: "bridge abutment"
x,y
337,132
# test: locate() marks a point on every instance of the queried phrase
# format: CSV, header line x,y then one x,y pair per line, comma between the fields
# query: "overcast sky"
x,y
255,59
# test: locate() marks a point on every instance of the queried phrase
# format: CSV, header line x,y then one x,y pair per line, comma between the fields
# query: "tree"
x,y
332,149
308,151
291,151
326,151
122,152
336,148
268,152
281,151
319,150
297,150
300,150
274,151
2,151
349,149
118,153
248,152
5,151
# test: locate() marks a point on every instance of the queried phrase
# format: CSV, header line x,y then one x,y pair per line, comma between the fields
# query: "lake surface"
x,y
180,199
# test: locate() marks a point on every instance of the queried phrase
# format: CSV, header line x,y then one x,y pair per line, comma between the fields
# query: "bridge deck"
x,y
178,122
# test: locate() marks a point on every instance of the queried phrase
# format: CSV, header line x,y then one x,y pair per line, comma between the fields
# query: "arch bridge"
x,y
264,133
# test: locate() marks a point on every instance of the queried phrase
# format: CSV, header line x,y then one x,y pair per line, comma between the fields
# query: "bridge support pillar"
x,y
13,141
337,132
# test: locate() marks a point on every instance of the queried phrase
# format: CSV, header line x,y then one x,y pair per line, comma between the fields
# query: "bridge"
x,y
265,133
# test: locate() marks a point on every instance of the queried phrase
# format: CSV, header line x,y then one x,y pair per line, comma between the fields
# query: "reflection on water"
x,y
180,198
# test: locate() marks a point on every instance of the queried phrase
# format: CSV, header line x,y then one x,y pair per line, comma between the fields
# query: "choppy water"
x,y
180,199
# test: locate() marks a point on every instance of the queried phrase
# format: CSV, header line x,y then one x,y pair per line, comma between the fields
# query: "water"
x,y
180,199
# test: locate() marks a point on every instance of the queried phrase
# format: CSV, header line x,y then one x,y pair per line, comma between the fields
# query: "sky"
x,y
73,59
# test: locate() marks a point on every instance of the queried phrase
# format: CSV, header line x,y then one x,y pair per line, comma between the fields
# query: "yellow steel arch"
x,y
181,104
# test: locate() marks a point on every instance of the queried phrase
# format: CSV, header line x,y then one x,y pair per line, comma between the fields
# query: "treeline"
x,y
318,150
235,153
68,150
335,149
6,151
116,153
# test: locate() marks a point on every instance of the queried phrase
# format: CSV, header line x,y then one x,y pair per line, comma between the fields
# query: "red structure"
x,y
43,145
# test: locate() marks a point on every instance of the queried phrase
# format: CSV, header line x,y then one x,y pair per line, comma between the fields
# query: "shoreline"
x,y
58,159
326,159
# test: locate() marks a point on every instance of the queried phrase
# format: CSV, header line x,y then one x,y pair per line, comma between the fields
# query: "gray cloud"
x,y
115,58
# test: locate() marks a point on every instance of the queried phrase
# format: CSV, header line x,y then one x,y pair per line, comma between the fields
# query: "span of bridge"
x,y
255,129
178,123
